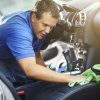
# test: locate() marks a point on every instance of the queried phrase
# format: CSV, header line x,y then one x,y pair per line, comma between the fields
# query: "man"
x,y
21,37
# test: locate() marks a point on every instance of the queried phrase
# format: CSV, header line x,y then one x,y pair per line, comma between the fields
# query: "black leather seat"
x,y
7,90
57,91
86,92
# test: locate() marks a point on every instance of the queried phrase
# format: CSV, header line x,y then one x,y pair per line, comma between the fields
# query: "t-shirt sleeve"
x,y
19,41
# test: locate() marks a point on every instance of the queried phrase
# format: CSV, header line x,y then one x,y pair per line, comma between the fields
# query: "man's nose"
x,y
47,30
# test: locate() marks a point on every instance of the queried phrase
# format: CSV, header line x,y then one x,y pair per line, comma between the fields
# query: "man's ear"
x,y
33,18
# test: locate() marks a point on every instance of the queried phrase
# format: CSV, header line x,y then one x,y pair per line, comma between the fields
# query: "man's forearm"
x,y
39,72
42,73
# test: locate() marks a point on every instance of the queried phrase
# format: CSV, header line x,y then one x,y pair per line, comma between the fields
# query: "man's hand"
x,y
79,80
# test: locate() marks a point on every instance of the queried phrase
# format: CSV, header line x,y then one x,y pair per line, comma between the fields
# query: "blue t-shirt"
x,y
17,38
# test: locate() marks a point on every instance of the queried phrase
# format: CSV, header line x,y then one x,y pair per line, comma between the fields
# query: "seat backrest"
x,y
7,90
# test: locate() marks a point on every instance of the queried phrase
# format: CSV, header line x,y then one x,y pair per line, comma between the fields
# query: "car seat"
x,y
43,90
7,90
56,91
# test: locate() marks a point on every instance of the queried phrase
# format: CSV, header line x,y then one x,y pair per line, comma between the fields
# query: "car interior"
x,y
80,48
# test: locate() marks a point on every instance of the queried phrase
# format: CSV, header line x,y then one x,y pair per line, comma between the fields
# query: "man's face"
x,y
44,25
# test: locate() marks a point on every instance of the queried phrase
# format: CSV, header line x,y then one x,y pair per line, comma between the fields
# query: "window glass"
x,y
8,6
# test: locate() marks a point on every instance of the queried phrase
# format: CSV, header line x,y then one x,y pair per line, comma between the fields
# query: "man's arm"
x,y
39,59
39,72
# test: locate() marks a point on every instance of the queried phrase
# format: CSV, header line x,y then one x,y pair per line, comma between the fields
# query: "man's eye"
x,y
45,25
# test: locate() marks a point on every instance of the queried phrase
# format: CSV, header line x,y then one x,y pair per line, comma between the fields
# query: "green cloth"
x,y
90,76
97,78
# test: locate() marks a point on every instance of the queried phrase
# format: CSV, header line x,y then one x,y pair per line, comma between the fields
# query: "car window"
x,y
9,6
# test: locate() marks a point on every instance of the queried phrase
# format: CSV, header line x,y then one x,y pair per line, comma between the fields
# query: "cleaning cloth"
x,y
91,74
